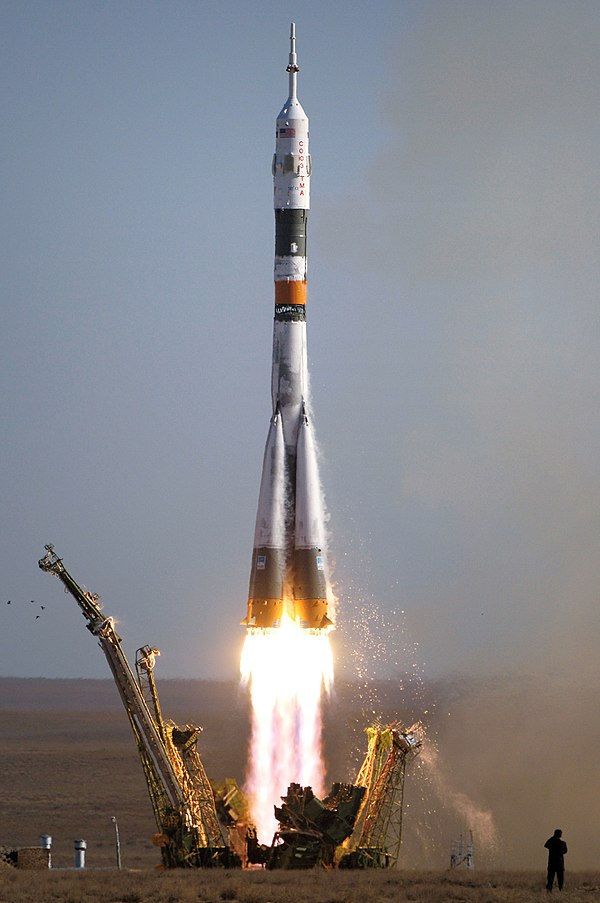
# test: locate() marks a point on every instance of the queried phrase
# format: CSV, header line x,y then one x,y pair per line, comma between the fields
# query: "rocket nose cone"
x,y
292,109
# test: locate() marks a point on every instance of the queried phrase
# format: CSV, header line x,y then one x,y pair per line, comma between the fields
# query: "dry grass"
x,y
287,887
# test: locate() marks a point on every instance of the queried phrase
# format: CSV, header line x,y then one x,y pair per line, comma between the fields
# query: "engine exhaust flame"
x,y
287,670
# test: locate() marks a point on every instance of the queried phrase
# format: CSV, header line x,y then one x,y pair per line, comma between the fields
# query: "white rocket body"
x,y
288,569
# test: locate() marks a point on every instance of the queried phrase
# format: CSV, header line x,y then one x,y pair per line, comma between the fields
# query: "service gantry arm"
x,y
182,801
377,833
182,750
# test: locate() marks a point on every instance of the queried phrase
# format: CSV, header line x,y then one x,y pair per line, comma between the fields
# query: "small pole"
x,y
80,848
117,841
46,844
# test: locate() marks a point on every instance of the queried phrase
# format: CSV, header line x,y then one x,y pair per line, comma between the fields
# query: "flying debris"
x,y
288,565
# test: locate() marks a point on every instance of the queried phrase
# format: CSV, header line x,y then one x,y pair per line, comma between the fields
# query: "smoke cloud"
x,y
478,226
478,229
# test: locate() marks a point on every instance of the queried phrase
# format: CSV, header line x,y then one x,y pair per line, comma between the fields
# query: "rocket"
x,y
288,566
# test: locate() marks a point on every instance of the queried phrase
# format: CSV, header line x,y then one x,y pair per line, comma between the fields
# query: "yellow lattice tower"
x,y
378,827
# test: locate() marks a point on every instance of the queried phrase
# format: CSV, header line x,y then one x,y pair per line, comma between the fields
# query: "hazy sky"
x,y
453,322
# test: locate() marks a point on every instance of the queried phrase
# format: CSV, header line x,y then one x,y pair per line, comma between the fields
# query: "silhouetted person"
x,y
556,859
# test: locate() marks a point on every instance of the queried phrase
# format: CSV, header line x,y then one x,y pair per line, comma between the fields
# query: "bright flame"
x,y
287,670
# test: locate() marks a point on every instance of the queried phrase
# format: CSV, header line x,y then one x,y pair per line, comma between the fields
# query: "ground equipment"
x,y
311,829
189,833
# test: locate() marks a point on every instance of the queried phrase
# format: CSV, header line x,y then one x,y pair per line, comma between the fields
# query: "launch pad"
x,y
202,824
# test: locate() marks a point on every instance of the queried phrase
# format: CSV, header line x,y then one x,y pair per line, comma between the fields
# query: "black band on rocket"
x,y
290,312
290,233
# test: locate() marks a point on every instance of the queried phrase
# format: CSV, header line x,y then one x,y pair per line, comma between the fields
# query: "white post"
x,y
80,848
46,844
117,841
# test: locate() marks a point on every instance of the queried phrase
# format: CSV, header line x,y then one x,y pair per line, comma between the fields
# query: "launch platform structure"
x,y
377,835
461,853
189,833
